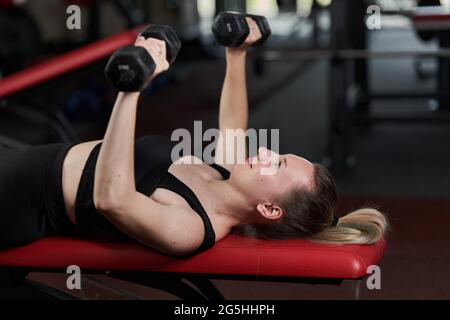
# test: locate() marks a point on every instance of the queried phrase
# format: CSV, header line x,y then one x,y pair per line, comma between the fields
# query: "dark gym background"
x,y
402,167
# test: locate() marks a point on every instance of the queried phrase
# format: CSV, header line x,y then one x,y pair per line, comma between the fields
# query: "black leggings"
x,y
31,197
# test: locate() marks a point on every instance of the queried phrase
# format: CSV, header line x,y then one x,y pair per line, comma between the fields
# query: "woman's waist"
x,y
54,196
72,172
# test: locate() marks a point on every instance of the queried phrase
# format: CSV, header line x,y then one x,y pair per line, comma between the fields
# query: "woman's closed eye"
x,y
281,162
277,165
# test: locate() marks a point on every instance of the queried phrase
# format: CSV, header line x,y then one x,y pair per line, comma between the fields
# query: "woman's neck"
x,y
230,205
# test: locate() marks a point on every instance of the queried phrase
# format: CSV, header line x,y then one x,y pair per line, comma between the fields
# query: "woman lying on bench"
x,y
134,188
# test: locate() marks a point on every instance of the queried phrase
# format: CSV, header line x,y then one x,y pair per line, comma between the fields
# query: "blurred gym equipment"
x,y
18,91
350,96
18,29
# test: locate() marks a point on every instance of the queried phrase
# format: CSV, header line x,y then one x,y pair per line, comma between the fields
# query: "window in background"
x,y
323,3
397,5
267,8
206,9
304,7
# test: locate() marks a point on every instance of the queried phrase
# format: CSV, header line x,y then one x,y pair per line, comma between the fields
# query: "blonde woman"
x,y
132,187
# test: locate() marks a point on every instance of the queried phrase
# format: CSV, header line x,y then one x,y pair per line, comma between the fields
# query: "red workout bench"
x,y
233,258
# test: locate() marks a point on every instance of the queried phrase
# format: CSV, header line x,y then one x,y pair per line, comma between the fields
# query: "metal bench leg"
x,y
356,288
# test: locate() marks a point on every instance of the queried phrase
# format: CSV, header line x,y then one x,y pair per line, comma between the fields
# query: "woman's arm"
x,y
165,228
234,104
233,112
114,173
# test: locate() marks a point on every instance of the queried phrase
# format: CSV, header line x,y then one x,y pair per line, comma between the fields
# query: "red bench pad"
x,y
233,255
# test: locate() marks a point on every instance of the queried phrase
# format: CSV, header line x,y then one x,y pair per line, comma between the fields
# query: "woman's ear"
x,y
269,211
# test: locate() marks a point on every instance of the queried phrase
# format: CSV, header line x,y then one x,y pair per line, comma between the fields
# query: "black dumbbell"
x,y
230,29
130,68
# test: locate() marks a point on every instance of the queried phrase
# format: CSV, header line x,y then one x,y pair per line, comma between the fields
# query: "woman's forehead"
x,y
298,158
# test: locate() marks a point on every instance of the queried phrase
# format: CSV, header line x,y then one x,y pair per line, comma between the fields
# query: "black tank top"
x,y
152,161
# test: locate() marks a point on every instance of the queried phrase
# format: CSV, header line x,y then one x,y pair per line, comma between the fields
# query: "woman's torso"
x,y
195,177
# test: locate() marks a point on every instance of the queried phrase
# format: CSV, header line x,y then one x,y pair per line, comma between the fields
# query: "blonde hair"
x,y
363,226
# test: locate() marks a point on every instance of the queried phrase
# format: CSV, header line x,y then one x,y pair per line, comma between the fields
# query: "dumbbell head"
x,y
230,29
130,68
166,34
263,26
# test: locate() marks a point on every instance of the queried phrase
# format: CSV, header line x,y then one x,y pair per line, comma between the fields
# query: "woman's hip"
x,y
30,194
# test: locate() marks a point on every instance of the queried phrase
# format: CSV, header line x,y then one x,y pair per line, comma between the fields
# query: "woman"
x,y
179,209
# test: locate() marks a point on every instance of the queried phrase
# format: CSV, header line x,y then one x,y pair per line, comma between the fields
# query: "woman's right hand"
x,y
157,50
254,36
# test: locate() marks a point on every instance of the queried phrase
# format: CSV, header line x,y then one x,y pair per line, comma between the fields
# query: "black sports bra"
x,y
152,161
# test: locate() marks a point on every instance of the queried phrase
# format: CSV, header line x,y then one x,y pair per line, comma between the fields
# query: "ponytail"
x,y
363,226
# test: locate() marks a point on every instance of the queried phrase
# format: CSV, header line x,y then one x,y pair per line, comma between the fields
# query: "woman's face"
x,y
266,177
